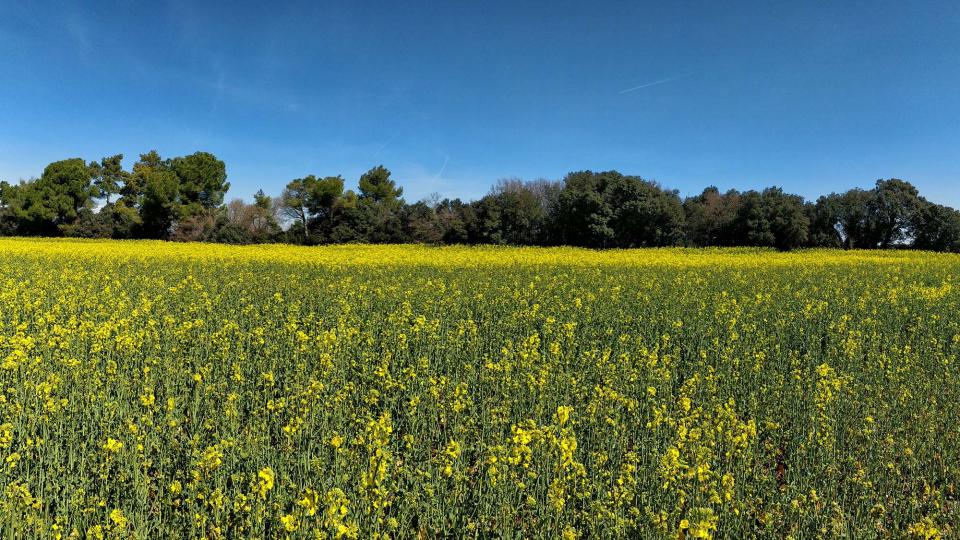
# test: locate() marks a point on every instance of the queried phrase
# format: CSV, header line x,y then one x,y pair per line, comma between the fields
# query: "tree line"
x,y
182,199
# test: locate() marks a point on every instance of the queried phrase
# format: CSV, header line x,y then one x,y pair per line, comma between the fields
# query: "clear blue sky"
x,y
812,96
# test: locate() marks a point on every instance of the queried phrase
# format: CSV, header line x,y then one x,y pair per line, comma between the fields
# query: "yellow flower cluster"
x,y
158,390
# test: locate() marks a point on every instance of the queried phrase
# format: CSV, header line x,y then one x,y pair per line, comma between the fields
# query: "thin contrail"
x,y
386,144
446,159
654,83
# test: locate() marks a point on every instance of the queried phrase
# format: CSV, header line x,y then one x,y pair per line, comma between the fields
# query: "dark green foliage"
x,y
421,224
109,176
609,209
843,220
645,214
49,204
90,224
126,220
227,232
321,212
324,193
882,217
156,195
309,202
295,200
202,182
515,212
350,221
772,218
183,199
824,228
936,228
379,203
9,198
891,210
377,187
583,215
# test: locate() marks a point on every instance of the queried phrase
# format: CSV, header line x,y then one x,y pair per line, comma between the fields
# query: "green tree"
x,y
376,218
377,187
608,209
842,220
824,231
322,195
154,190
512,213
202,182
892,208
108,176
90,224
295,201
350,220
9,204
582,215
936,227
127,222
772,218
644,214
133,188
53,202
309,202
264,225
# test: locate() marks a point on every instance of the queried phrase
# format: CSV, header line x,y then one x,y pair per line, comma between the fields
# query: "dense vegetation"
x,y
183,199
161,390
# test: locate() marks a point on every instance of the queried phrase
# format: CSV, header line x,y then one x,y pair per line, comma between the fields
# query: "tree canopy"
x,y
182,198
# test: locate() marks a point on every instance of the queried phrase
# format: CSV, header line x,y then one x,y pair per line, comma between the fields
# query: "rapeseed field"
x,y
158,390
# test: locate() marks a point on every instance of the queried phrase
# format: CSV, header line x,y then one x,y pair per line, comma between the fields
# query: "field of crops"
x,y
157,390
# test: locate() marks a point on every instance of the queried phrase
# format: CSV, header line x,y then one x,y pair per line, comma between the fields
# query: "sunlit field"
x,y
158,390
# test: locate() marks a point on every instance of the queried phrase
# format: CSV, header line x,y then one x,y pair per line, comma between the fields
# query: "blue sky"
x,y
811,96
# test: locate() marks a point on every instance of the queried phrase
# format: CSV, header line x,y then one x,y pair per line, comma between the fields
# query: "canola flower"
x,y
157,390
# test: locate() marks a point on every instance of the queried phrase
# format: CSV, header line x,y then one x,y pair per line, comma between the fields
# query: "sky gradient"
x,y
811,96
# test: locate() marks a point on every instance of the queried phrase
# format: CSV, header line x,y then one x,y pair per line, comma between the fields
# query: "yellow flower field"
x,y
158,390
